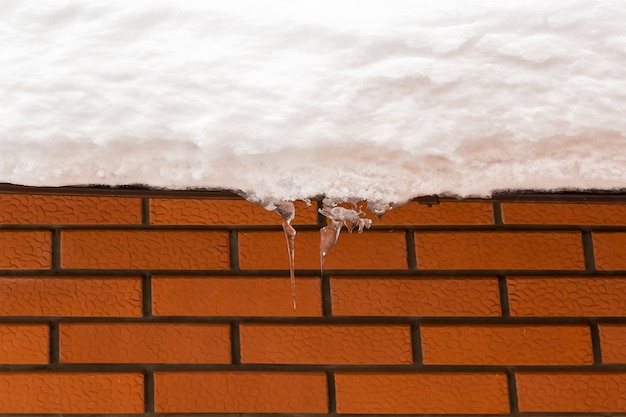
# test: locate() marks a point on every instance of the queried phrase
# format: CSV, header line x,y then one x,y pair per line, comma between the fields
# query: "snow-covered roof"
x,y
381,100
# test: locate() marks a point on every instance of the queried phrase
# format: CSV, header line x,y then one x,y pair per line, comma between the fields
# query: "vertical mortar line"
x,y
512,384
148,382
146,294
596,343
321,219
55,348
416,342
327,301
55,250
590,258
411,256
504,296
235,343
497,214
332,394
234,249
145,211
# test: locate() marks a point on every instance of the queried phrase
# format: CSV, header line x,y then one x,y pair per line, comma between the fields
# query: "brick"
x,y
499,250
325,344
223,212
24,344
447,213
369,250
240,392
144,343
421,393
25,250
609,249
85,393
389,296
75,296
567,296
564,214
506,345
141,249
573,392
235,296
50,209
613,340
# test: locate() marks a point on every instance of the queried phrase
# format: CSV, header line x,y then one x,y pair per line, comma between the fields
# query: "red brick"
x,y
141,249
72,393
506,345
499,250
573,392
613,339
369,250
76,296
564,214
223,212
325,344
25,250
240,392
421,393
24,344
447,213
610,250
234,296
567,296
144,343
389,296
50,209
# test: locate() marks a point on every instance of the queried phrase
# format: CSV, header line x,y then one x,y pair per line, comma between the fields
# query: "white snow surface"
x,y
381,100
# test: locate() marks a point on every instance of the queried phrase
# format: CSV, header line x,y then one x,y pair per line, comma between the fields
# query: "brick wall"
x,y
141,305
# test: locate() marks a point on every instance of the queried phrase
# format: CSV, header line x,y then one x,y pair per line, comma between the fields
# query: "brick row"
x,y
317,344
265,250
307,392
353,296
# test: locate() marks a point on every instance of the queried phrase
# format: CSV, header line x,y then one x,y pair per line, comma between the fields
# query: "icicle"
x,y
338,217
287,211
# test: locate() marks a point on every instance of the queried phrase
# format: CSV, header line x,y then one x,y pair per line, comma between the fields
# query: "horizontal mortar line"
x,y
490,228
533,414
357,368
319,320
307,273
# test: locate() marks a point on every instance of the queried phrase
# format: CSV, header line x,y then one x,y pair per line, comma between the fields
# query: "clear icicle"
x,y
287,211
338,216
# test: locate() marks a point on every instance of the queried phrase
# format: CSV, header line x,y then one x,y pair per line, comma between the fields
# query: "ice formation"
x,y
287,211
380,100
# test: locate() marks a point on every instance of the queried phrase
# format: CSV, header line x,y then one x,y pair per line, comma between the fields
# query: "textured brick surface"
x,y
240,392
86,393
564,214
506,345
223,212
145,343
571,392
325,344
610,250
436,393
499,250
389,296
414,213
24,344
93,249
567,296
78,296
369,250
49,209
234,296
25,250
613,339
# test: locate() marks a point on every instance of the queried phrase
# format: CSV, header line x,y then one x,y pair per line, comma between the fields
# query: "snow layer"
x,y
383,100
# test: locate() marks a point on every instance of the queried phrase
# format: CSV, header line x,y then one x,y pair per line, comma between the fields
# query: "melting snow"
x,y
377,100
